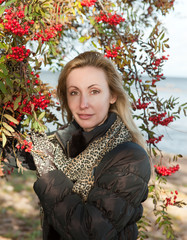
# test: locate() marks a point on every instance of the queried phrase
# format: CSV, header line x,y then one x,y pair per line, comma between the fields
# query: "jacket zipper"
x,y
61,144
67,149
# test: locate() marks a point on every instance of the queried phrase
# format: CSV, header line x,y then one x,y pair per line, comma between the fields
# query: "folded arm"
x,y
113,203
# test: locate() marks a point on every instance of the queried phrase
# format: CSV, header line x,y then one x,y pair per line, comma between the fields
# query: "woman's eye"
x,y
95,91
73,93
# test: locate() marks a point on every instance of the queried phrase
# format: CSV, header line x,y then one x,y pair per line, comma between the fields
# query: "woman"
x,y
94,172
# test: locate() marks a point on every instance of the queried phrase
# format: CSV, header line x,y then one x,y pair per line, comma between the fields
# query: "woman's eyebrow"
x,y
93,85
72,87
88,86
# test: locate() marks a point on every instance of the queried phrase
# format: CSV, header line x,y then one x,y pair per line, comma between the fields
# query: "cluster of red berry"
x,y
47,34
112,53
158,61
159,119
26,106
88,3
155,140
171,200
111,19
19,53
140,105
158,77
27,146
15,23
37,103
164,171
1,1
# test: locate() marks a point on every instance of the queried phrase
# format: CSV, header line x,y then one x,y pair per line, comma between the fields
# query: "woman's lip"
x,y
85,116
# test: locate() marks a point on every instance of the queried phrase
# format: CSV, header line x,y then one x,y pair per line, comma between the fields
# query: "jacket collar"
x,y
74,140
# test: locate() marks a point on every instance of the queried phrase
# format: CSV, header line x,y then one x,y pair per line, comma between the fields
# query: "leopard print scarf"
x,y
80,169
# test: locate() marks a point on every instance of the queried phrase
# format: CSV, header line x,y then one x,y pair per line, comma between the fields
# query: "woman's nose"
x,y
84,102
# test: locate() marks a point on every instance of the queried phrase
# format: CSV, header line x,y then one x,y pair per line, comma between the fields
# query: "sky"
x,y
176,24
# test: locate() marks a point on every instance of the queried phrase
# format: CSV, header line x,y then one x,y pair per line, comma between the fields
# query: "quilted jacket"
x,y
113,205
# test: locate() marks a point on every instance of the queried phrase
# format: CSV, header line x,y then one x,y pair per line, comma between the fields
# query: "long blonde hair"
x,y
122,105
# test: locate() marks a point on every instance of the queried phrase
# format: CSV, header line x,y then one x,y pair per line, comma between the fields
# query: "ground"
x,y
19,209
177,181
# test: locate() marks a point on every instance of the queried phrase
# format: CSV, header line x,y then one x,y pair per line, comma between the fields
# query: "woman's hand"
x,y
42,152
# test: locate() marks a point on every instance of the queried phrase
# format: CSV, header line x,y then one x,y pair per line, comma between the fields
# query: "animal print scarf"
x,y
80,168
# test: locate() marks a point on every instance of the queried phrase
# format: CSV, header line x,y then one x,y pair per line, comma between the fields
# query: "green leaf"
x,y
26,10
162,36
16,105
2,9
168,235
4,69
8,3
4,140
53,51
11,119
166,45
82,39
166,40
94,44
158,219
92,21
154,152
1,26
3,88
2,75
35,125
27,121
30,8
8,127
3,45
6,132
41,115
2,59
8,81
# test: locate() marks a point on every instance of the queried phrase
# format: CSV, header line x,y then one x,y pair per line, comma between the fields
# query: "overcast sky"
x,y
176,23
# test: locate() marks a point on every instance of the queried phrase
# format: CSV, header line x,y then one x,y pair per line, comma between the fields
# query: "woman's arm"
x,y
112,204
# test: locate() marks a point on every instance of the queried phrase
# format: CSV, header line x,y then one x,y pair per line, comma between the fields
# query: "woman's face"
x,y
88,96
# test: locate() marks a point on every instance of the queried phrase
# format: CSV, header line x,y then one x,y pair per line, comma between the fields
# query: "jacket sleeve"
x,y
112,204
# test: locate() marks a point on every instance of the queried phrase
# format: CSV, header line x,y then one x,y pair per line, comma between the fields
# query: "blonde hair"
x,y
122,106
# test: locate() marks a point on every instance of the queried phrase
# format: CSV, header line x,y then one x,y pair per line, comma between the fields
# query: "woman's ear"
x,y
113,98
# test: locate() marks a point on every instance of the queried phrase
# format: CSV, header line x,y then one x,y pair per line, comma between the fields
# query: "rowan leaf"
x,y
8,81
8,3
3,88
8,127
26,10
6,132
4,140
26,122
4,69
41,115
2,9
10,118
16,102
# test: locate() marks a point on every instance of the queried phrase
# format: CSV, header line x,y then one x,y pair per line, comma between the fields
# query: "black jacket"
x,y
114,203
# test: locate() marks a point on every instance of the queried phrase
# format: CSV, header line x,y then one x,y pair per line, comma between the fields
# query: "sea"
x,y
175,135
